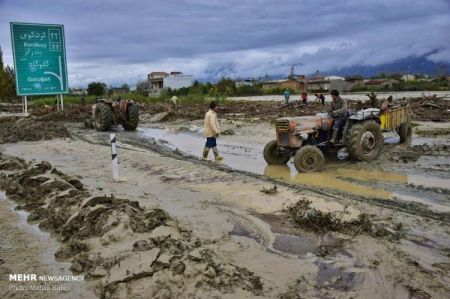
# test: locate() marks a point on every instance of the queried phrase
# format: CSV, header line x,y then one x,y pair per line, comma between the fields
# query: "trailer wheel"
x,y
273,156
309,158
405,132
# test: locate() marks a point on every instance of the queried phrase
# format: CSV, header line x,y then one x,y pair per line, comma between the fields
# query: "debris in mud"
x,y
270,190
227,132
432,132
404,154
319,221
162,116
310,218
31,129
125,247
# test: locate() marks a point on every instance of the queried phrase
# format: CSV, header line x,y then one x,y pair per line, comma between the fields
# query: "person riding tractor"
x,y
339,112
308,138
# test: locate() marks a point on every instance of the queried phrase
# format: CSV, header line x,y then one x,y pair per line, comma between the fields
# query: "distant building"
x,y
380,82
326,84
156,81
177,80
77,91
272,83
318,84
408,78
292,84
247,82
353,82
174,80
333,78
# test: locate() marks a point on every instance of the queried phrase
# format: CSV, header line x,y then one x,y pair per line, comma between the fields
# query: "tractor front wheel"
x,y
103,118
273,156
309,158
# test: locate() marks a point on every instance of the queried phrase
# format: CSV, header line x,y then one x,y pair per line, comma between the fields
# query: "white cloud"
x,y
119,41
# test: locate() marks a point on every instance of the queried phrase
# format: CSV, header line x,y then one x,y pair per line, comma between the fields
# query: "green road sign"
x,y
39,58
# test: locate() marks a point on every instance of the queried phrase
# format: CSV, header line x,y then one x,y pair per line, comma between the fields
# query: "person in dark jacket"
x,y
320,97
338,110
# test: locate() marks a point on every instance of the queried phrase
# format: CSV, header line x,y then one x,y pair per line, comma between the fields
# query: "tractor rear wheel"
x,y
365,141
405,132
131,118
103,117
309,158
273,156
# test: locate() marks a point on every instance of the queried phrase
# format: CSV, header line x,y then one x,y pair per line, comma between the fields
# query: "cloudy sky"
x,y
122,41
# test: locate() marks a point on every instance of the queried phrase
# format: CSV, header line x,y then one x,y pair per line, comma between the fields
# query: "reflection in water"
x,y
248,157
336,179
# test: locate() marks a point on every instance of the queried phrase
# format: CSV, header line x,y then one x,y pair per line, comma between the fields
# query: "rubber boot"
x,y
334,136
205,153
216,154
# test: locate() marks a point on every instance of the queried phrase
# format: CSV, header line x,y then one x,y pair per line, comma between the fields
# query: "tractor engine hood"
x,y
305,124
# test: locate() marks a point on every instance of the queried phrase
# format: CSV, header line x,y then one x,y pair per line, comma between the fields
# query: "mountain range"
x,y
410,65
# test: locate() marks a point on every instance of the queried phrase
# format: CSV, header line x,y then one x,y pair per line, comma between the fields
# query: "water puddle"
x,y
47,248
331,179
337,175
429,181
246,157
432,203
295,245
444,140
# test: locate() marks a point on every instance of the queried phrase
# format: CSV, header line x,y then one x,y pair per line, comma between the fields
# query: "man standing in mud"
x,y
287,95
338,110
211,131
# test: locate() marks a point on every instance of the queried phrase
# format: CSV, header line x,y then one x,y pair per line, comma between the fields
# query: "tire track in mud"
x,y
123,248
130,140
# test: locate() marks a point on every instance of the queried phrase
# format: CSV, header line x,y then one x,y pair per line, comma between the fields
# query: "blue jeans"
x,y
210,142
339,122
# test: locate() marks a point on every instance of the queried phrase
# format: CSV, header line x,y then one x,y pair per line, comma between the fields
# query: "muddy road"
x,y
179,227
419,175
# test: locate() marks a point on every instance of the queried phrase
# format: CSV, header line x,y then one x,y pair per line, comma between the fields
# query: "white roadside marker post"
x,y
62,102
115,167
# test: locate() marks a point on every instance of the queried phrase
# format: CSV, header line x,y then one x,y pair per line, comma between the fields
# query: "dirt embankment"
x,y
423,108
13,129
126,249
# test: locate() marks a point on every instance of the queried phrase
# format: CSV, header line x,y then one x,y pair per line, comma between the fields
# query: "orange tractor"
x,y
106,114
307,138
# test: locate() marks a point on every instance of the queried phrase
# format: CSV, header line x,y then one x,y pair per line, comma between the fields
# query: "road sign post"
x,y
39,60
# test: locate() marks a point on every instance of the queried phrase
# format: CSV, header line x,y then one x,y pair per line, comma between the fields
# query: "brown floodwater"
x,y
337,175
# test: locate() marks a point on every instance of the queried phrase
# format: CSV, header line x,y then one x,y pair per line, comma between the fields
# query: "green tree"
x,y
226,86
7,81
126,87
96,88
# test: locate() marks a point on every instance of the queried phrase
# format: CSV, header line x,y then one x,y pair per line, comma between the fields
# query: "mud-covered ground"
x,y
179,227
